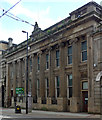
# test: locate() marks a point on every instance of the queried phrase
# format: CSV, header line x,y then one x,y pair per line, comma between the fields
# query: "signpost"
x,y
20,91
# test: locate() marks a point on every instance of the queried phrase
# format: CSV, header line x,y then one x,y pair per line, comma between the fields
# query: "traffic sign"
x,y
19,91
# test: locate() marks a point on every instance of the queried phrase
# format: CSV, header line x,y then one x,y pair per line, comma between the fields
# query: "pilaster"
x,y
25,64
51,71
41,73
90,73
34,76
63,86
75,103
19,73
14,78
7,85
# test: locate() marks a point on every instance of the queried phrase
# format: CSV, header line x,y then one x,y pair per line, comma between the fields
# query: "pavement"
x,y
10,113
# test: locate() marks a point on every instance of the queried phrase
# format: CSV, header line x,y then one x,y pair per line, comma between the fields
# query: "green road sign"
x,y
19,91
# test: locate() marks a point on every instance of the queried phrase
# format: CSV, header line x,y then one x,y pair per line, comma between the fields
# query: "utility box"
x,y
17,109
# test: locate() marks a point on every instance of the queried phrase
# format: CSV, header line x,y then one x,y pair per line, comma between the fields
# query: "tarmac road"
x,y
50,119
9,114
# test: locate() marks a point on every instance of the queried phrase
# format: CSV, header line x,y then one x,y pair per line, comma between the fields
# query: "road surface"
x,y
9,114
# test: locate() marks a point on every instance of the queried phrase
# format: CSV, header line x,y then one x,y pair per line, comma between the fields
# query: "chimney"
x,y
10,42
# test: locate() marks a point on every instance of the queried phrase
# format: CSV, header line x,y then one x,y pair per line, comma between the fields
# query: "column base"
x,y
62,104
49,101
75,104
39,100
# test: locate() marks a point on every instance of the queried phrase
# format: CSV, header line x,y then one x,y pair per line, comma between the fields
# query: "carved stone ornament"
x,y
98,77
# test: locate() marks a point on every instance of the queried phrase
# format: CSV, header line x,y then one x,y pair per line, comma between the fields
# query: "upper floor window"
x,y
38,66
11,74
23,68
69,86
47,61
70,55
30,64
3,74
57,58
84,50
57,86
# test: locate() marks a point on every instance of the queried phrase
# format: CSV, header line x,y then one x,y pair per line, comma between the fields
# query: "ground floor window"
x,y
38,88
69,86
57,86
47,87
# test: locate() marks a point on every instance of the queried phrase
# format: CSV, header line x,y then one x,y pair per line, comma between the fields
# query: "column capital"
x,y
74,40
50,48
24,59
62,44
31,56
18,60
13,62
39,53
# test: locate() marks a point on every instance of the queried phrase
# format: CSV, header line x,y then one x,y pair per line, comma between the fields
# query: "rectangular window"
x,y
23,68
70,55
17,69
38,63
11,74
47,61
47,87
84,50
38,88
69,86
57,58
30,64
2,75
85,85
57,86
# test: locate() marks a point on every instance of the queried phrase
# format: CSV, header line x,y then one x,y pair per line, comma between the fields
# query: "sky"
x,y
45,12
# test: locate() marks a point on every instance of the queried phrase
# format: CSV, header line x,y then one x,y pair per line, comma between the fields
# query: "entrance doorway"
x,y
85,101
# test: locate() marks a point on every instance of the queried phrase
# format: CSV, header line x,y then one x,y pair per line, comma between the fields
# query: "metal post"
x,y
101,98
27,78
26,74
100,77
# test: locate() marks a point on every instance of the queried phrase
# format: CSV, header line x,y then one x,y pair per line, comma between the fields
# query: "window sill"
x,y
57,68
83,61
69,66
47,70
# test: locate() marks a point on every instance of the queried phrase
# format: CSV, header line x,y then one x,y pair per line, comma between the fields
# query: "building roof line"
x,y
89,3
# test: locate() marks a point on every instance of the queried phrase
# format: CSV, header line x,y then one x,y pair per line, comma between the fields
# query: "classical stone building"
x,y
4,45
64,64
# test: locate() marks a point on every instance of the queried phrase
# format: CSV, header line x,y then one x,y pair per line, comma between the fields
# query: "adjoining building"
x,y
64,64
4,45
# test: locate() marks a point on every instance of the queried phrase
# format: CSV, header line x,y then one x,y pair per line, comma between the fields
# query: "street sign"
x,y
20,91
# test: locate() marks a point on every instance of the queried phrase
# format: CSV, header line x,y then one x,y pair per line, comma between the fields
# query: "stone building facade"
x,y
63,64
4,45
